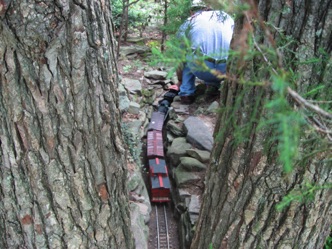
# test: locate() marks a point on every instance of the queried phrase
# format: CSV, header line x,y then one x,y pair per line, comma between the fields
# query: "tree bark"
x,y
63,163
245,181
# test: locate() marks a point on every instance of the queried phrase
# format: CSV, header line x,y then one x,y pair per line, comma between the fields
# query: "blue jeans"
x,y
191,71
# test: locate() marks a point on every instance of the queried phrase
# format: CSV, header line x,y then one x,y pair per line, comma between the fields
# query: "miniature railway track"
x,y
159,181
163,241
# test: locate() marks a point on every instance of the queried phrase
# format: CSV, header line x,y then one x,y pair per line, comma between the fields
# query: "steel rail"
x,y
158,239
166,224
163,239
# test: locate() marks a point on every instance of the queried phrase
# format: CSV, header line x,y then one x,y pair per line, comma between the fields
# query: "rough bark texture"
x,y
63,170
244,181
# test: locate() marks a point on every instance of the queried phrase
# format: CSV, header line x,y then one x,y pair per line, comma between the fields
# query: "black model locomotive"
x,y
160,187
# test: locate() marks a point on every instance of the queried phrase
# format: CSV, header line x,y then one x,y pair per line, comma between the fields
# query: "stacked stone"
x,y
188,156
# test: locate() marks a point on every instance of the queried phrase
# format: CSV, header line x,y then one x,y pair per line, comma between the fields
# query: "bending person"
x,y
210,33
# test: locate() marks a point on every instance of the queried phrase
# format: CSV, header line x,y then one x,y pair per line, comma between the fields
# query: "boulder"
x,y
134,108
175,129
134,49
213,108
198,133
192,164
139,214
123,98
201,155
156,75
194,208
133,86
183,177
177,150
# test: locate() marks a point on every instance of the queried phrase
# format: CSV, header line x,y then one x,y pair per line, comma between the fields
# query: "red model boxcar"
x,y
160,187
159,181
155,146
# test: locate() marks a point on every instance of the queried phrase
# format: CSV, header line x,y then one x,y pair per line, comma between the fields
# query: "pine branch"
x,y
319,125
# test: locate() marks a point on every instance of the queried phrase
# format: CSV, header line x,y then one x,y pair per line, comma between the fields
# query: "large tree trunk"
x,y
63,169
245,180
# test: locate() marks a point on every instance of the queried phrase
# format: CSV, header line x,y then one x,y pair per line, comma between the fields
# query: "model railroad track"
x,y
159,182
163,240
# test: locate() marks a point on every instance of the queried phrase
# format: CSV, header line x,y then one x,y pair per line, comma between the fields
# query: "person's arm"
x,y
181,35
179,74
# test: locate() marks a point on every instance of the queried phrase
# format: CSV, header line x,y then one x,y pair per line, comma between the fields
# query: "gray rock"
x,y
177,149
158,83
173,115
175,129
178,107
198,133
123,103
184,195
170,137
186,232
201,155
123,98
140,207
136,198
132,85
135,39
134,49
156,75
138,215
142,116
184,178
133,108
192,164
137,188
213,107
194,208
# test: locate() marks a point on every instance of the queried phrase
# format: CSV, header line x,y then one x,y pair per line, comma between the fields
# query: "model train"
x,y
160,186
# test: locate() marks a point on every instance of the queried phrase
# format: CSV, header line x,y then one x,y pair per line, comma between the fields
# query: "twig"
x,y
318,125
305,103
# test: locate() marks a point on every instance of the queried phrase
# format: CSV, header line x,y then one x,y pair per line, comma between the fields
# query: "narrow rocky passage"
x,y
188,142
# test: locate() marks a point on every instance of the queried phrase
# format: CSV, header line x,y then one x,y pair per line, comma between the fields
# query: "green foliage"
x,y
174,55
154,44
304,194
286,122
116,12
178,11
139,13
314,91
134,65
127,68
148,97
328,243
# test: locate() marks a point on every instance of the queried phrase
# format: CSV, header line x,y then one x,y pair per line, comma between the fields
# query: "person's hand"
x,y
174,87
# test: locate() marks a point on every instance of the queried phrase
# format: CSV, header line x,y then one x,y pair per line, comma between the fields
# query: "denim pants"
x,y
191,71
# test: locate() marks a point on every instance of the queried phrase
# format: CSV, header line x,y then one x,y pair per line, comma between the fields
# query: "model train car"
x,y
160,187
159,180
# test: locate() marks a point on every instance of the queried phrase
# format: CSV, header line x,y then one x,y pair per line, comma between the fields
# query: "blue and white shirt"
x,y
210,32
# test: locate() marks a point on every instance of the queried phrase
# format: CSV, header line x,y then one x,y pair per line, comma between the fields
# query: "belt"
x,y
215,61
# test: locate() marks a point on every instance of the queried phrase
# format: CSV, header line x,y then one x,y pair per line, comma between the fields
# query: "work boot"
x,y
187,100
212,91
